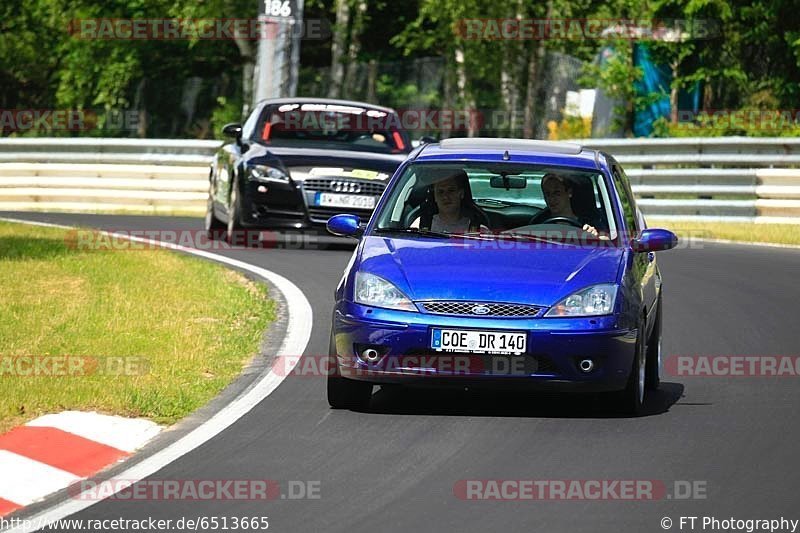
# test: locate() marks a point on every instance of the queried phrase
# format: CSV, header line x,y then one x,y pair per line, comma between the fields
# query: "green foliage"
x,y
744,54
750,122
227,111
46,63
403,95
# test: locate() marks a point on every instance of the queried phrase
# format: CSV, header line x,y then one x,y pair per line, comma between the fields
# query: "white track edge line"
x,y
295,341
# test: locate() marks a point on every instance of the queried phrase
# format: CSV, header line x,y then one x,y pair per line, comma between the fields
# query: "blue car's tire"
x,y
631,400
345,393
654,356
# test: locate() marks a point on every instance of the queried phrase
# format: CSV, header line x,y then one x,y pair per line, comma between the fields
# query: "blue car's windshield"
x,y
499,199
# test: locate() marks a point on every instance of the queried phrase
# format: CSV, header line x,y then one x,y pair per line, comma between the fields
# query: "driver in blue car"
x,y
558,196
455,210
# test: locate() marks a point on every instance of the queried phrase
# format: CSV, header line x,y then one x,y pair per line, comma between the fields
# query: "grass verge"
x,y
150,334
734,231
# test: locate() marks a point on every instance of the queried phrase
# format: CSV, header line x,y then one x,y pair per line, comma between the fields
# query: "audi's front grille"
x,y
344,186
481,309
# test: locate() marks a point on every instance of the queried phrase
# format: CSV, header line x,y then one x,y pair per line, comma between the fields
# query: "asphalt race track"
x,y
395,467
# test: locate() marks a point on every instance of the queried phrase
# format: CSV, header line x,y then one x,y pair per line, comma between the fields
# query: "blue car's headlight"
x,y
377,292
265,173
591,301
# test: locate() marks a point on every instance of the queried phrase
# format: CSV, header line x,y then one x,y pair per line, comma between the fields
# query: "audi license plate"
x,y
327,199
472,341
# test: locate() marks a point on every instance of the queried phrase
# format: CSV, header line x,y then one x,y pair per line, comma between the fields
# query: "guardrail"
x,y
114,175
733,178
726,178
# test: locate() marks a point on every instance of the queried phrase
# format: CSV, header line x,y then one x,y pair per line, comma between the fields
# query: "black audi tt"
x,y
298,161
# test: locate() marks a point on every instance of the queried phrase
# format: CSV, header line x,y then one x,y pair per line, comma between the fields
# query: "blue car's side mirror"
x,y
345,225
654,240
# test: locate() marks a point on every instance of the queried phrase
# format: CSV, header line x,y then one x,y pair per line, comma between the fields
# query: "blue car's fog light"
x,y
370,353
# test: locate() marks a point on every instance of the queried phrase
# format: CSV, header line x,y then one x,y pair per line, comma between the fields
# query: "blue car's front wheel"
x,y
631,400
654,357
345,393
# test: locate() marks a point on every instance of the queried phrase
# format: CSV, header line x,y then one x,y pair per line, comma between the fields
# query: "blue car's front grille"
x,y
480,309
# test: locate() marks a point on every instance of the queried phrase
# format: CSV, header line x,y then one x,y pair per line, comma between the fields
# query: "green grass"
x,y
193,324
734,231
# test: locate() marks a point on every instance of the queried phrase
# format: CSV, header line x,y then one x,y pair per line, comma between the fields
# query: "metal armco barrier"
x,y
110,175
732,178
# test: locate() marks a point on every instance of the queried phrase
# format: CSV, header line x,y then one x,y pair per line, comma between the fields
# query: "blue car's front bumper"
x,y
555,347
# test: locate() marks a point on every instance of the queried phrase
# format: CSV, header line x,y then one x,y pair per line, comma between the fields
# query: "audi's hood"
x,y
488,270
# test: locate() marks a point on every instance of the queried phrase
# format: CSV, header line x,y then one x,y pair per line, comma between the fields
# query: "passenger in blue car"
x,y
558,194
452,209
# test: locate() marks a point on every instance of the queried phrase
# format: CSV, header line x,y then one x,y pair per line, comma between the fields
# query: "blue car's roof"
x,y
511,150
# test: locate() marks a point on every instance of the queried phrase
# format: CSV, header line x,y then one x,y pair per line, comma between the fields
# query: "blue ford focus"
x,y
505,263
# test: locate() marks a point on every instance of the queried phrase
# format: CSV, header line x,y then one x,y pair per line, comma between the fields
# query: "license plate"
x,y
327,199
472,341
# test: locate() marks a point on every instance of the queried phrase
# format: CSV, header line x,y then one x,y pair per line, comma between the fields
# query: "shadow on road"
x,y
395,400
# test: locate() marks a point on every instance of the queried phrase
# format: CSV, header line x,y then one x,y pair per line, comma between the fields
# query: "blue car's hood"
x,y
480,270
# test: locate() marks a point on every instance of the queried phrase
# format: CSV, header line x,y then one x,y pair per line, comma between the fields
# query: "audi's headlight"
x,y
377,292
592,301
265,173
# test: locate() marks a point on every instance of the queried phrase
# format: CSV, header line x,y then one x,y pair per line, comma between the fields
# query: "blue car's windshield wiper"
x,y
429,233
414,231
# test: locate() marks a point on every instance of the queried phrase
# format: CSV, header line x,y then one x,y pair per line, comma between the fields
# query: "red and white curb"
x,y
54,451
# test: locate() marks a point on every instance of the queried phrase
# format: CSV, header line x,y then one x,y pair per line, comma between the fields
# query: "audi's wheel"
x,y
215,228
234,228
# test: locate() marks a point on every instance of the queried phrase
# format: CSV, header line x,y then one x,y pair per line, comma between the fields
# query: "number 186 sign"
x,y
277,8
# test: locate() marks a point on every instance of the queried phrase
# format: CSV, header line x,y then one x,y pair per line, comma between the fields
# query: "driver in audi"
x,y
557,194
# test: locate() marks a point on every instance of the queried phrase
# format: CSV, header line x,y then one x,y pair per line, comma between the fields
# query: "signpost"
x,y
278,56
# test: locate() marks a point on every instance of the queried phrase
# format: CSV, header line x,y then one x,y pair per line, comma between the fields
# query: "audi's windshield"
x,y
332,126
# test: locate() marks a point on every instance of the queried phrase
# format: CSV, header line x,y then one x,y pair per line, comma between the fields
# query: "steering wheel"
x,y
569,220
